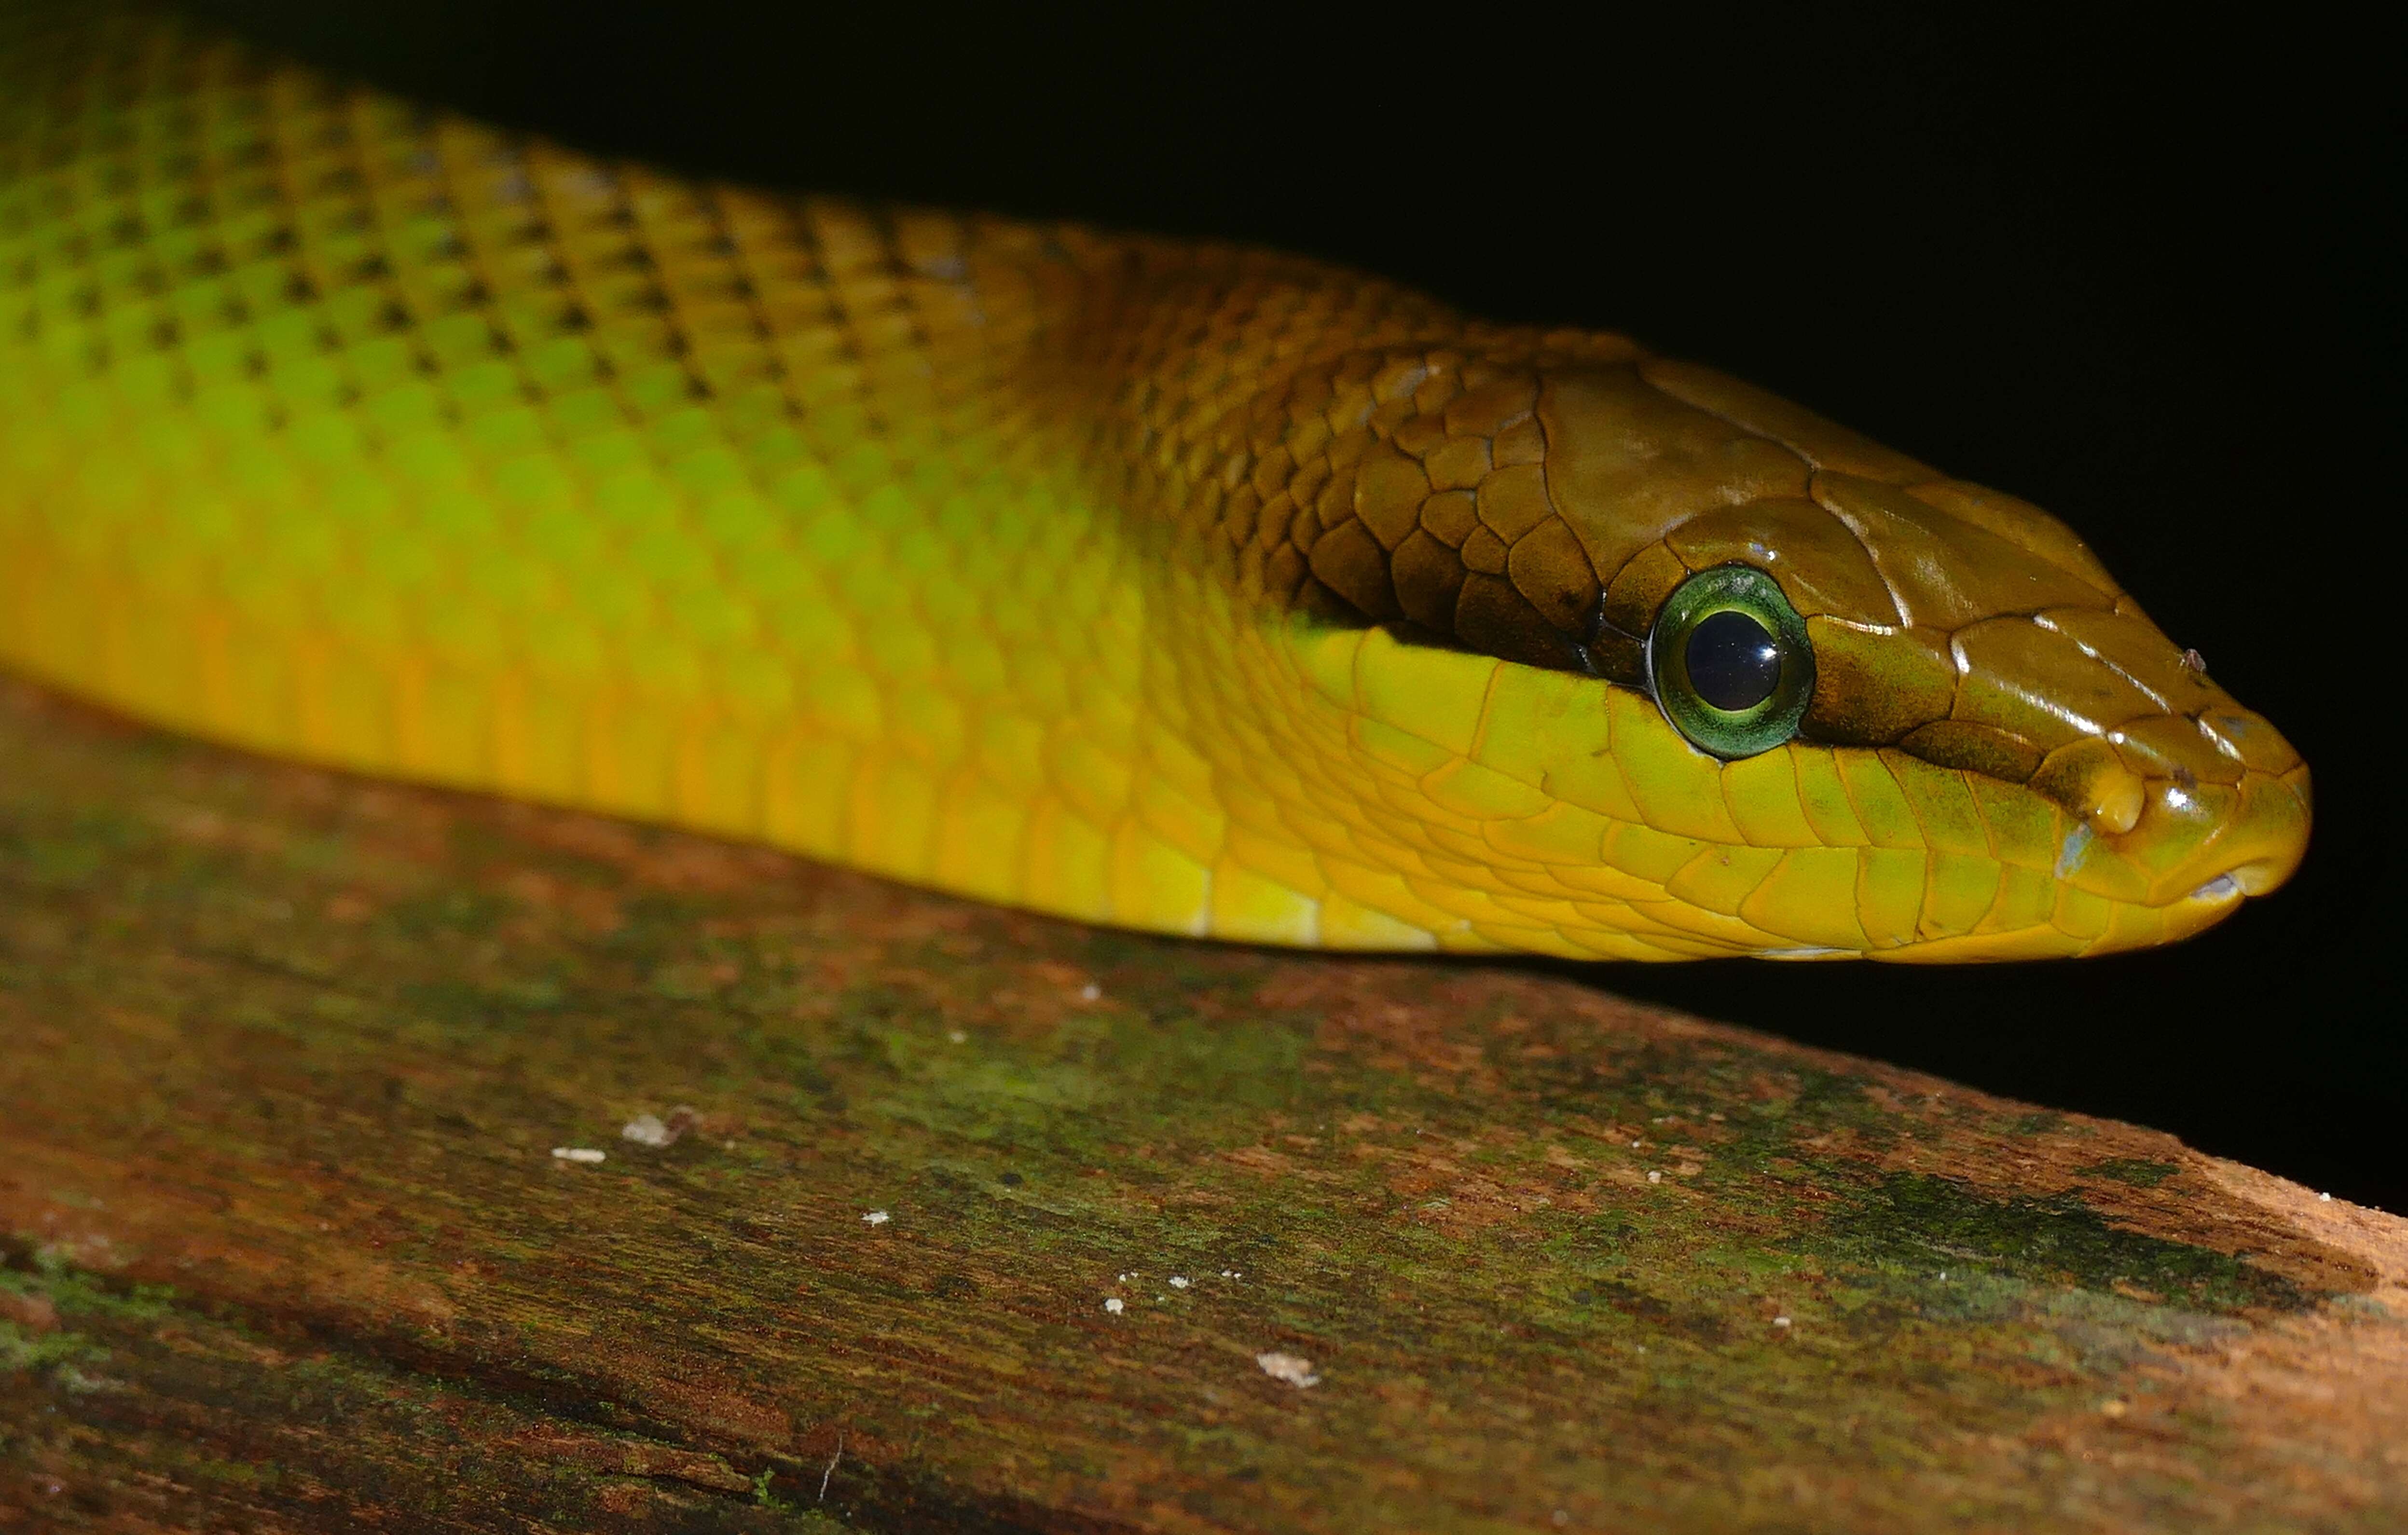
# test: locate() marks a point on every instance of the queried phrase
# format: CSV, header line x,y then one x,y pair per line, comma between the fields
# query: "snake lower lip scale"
x,y
1183,587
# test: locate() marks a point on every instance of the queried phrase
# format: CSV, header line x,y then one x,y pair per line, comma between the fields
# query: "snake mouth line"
x,y
2224,887
2257,876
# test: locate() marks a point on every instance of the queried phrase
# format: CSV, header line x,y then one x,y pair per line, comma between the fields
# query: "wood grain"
x,y
285,1058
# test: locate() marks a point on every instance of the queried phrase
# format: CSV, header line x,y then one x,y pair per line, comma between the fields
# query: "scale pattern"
x,y
1076,571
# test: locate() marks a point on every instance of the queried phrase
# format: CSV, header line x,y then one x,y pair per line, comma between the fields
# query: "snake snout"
x,y
2262,844
2177,817
2216,844
2259,876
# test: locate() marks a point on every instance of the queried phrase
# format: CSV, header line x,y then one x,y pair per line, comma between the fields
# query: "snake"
x,y
1163,584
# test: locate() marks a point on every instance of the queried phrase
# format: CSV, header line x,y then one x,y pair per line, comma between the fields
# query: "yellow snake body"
x,y
1181,587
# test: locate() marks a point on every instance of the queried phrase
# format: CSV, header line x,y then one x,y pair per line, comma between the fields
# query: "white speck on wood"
x,y
584,1155
1179,1281
876,1217
652,1130
1294,1368
1114,1304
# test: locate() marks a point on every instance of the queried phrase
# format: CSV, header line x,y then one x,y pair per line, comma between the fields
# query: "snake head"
x,y
1777,690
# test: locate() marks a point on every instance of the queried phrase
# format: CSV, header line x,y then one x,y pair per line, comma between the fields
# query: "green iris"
x,y
1732,667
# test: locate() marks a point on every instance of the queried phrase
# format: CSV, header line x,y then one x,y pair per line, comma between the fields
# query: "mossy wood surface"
x,y
285,1058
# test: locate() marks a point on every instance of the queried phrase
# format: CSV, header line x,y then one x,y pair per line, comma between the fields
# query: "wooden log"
x,y
379,1159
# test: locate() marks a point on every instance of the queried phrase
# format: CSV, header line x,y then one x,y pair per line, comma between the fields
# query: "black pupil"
x,y
1734,664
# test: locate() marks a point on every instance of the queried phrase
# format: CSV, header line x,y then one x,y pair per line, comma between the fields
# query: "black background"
x,y
2147,278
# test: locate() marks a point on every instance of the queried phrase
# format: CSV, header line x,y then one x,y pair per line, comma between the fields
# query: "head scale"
x,y
1984,749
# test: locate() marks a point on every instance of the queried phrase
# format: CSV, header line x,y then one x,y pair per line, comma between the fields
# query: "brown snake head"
x,y
1991,749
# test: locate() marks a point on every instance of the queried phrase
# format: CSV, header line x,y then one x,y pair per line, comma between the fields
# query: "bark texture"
x,y
913,1216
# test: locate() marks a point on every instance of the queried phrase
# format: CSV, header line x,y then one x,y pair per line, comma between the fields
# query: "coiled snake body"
x,y
1188,588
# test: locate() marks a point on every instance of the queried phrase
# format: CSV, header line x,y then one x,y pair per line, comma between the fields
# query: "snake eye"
x,y
1730,661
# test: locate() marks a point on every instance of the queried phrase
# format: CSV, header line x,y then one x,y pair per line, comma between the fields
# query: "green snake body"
x,y
1181,587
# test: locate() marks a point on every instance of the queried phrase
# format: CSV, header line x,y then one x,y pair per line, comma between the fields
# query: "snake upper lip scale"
x,y
1183,587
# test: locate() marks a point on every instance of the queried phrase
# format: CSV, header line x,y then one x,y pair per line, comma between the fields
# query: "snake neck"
x,y
1331,445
